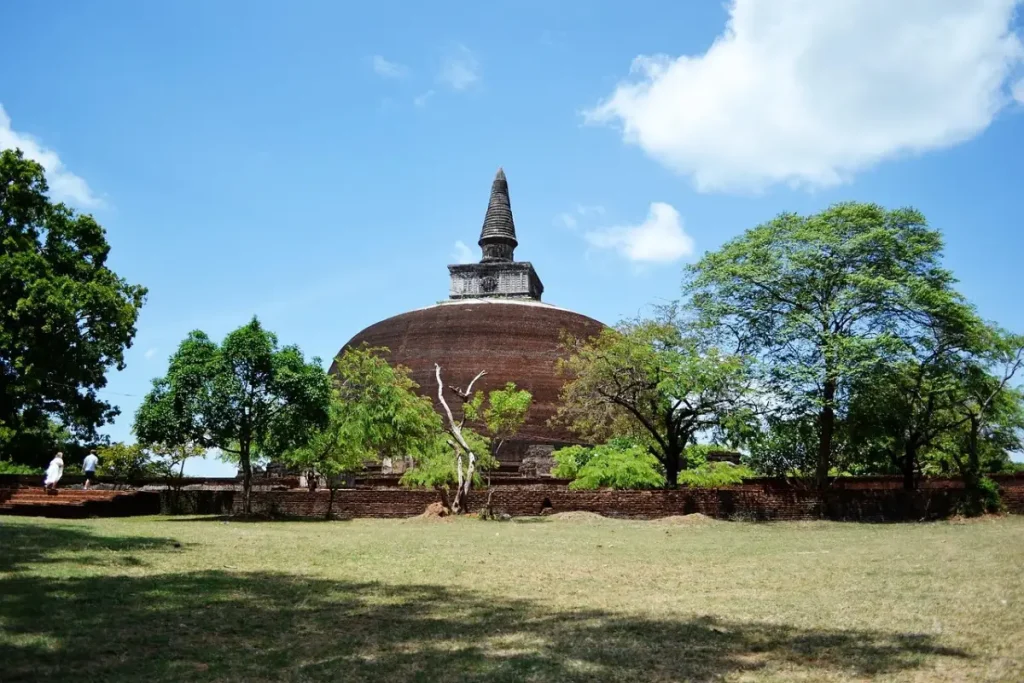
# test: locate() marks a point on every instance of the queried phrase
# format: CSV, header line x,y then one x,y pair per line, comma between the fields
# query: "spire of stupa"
x,y
498,236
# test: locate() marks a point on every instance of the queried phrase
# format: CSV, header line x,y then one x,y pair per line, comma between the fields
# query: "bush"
x,y
124,462
7,467
982,498
611,466
715,474
569,460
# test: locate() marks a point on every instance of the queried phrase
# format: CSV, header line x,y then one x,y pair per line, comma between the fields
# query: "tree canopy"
x,y
66,318
821,301
651,381
375,412
246,397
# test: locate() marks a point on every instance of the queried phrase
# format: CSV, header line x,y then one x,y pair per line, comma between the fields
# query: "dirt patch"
x,y
577,516
436,511
696,519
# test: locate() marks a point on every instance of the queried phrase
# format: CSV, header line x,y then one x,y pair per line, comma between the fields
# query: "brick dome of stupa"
x,y
493,321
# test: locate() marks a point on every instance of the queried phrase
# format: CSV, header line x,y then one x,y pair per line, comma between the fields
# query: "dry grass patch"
x,y
170,599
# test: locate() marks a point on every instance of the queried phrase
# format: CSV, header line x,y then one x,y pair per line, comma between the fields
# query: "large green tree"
x,y
821,300
65,317
375,413
902,406
245,397
654,382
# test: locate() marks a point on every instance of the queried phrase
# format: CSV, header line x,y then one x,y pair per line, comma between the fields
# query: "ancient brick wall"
x,y
869,499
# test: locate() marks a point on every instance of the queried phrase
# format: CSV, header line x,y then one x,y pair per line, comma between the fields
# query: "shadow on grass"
x,y
22,545
229,626
250,519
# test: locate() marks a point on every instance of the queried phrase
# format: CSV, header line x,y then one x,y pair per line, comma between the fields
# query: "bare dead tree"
x,y
465,458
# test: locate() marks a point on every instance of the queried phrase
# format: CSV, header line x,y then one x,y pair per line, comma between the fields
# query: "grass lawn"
x,y
199,599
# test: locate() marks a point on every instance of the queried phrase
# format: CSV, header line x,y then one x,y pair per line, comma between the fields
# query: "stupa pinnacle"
x,y
497,274
498,235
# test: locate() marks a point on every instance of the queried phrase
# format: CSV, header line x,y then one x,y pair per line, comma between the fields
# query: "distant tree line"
x,y
823,345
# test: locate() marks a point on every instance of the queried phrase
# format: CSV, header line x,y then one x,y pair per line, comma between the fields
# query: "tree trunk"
x,y
460,504
246,479
909,466
330,502
672,470
827,423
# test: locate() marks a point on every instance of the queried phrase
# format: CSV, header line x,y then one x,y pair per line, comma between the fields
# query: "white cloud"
x,y
659,239
421,100
1018,91
462,253
388,69
64,185
150,353
570,219
808,93
567,220
459,69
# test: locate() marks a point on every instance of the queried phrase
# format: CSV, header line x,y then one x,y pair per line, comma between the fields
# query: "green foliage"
x,y
821,300
443,459
436,464
375,412
125,463
8,467
983,497
612,466
65,317
569,460
247,397
504,415
35,446
652,381
169,461
715,475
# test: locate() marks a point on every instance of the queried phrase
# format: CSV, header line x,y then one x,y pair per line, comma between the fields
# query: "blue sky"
x,y
316,163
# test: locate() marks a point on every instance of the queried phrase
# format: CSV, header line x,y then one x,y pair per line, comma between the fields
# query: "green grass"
x,y
173,599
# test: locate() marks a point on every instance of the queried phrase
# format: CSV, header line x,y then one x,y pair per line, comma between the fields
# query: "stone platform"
x,y
76,503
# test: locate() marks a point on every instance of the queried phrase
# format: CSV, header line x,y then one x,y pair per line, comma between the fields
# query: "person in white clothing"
x,y
89,468
54,472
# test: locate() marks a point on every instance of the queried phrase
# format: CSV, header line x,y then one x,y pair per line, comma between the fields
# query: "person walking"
x,y
89,468
54,472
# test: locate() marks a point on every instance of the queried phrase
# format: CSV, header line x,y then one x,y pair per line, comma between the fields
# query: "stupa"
x,y
493,320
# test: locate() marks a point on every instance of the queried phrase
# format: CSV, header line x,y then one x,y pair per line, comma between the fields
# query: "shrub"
x,y
124,462
7,467
715,474
981,498
611,466
569,460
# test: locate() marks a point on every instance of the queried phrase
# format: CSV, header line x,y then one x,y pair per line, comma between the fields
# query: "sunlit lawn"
x,y
172,599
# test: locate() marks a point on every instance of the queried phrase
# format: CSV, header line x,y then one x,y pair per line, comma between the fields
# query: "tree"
x,y
169,462
899,408
124,463
244,397
503,416
65,317
820,300
650,381
459,457
375,412
991,410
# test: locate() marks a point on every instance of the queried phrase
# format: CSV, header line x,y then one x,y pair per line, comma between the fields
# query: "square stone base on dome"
x,y
498,279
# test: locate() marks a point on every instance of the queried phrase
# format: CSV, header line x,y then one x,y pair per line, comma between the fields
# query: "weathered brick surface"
x,y
513,341
72,503
875,499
